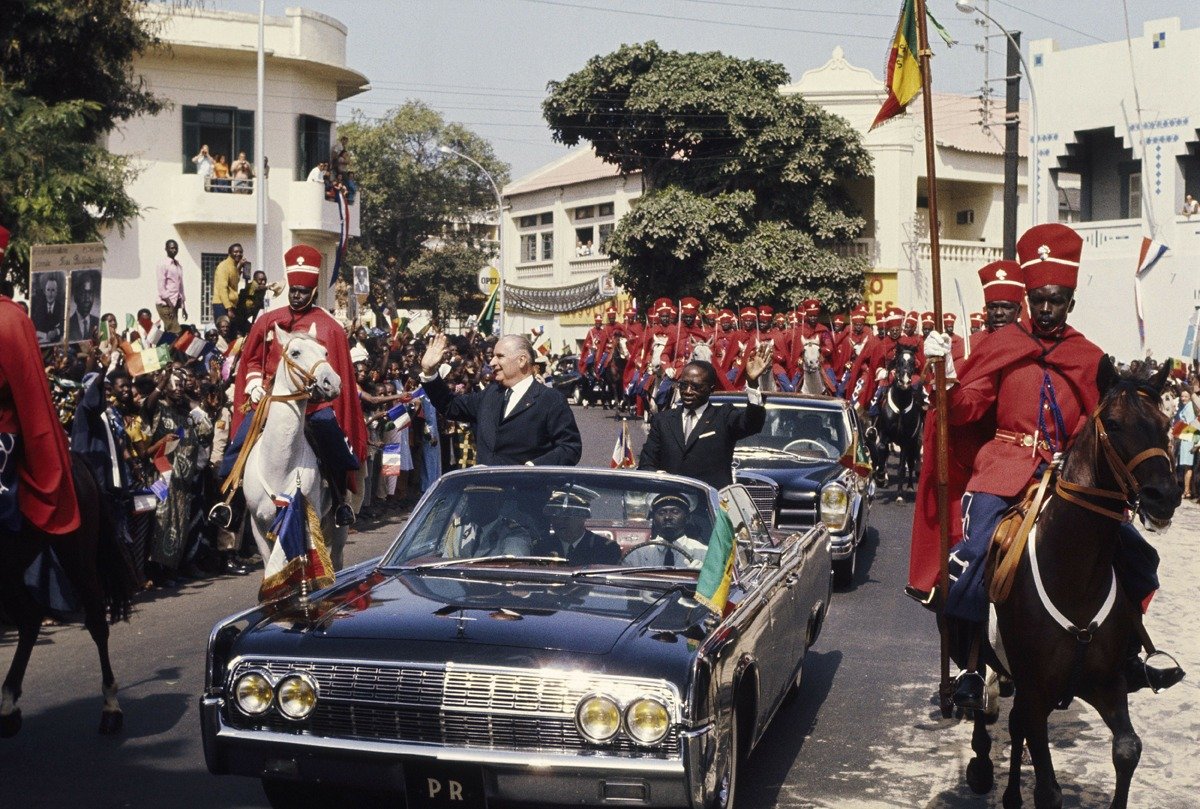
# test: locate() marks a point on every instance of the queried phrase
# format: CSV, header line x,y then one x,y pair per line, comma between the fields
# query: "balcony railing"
x,y
590,265
968,252
228,185
859,248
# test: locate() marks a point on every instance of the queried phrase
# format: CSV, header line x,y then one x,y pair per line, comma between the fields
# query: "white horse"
x,y
814,380
282,455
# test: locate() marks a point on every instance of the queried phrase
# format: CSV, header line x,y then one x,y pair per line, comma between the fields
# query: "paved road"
x,y
863,733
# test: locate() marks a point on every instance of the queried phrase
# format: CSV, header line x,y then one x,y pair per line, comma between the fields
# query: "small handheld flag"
x,y
622,455
716,574
299,559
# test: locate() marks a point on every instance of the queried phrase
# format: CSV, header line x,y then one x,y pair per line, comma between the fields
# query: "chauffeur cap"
x,y
670,499
576,501
1049,255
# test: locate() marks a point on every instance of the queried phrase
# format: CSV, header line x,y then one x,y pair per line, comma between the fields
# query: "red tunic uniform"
x,y
848,350
46,490
260,358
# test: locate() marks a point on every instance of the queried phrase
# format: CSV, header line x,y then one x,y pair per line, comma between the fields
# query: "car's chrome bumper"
x,y
549,778
841,546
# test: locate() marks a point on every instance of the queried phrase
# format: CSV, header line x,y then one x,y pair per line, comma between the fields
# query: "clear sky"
x,y
485,63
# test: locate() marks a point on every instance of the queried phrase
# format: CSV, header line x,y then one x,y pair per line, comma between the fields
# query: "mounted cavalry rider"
x,y
35,470
857,341
335,429
593,348
1039,380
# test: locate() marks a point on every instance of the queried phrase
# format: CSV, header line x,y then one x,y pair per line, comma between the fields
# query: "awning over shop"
x,y
557,300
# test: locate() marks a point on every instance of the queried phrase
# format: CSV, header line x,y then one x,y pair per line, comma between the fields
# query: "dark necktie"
x,y
504,404
669,558
689,423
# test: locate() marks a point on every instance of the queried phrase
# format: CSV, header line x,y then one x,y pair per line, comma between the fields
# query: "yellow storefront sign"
x,y
882,290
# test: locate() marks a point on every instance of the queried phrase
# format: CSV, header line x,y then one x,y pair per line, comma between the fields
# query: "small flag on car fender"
x,y
716,574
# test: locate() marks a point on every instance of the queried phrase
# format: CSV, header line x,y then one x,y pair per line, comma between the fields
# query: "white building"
x,y
207,73
557,222
1119,174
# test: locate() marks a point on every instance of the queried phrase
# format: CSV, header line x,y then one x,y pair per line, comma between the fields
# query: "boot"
x,y
220,515
232,565
968,691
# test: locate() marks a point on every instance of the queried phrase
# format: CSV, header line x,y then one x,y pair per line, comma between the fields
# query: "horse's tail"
x,y
115,569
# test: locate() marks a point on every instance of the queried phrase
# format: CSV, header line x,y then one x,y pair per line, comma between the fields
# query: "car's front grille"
x,y
763,495
463,706
797,512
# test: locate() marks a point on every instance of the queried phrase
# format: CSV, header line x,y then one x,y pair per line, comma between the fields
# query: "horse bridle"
x,y
1130,490
304,381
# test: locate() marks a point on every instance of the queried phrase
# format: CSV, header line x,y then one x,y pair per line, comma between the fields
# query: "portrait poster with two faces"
x,y
64,291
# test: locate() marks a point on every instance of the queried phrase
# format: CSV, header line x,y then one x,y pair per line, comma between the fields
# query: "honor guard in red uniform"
x,y
1038,380
725,345
691,332
870,370
958,346
745,343
977,321
337,429
857,341
908,330
709,321
592,342
927,323
36,486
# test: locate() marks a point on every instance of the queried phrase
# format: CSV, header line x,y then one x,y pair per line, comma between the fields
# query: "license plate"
x,y
442,786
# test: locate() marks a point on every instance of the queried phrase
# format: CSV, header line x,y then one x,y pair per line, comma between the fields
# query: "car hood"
x,y
551,613
795,473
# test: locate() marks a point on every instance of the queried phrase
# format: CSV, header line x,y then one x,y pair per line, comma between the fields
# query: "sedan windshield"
x,y
557,520
811,432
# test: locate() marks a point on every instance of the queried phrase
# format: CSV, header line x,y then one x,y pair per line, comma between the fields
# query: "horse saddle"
x,y
1010,538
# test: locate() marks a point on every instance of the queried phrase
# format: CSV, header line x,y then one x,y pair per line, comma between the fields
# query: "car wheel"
x,y
725,795
843,569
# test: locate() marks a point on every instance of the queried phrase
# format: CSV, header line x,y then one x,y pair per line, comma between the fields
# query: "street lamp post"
x,y
499,227
969,7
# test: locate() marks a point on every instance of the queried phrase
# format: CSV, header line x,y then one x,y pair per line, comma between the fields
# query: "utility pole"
x,y
1012,139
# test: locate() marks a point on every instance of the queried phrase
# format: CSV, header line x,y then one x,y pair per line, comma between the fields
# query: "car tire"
x,y
844,569
725,796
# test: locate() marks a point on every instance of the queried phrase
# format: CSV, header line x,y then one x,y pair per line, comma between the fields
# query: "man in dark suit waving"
x,y
517,420
697,439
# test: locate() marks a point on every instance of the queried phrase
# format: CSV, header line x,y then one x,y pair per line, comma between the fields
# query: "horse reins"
x,y
1130,489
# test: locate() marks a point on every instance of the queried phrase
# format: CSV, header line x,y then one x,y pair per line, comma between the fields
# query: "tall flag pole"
x,y
917,9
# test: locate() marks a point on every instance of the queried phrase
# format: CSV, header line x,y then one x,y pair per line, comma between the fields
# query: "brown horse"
x,y
99,569
1067,626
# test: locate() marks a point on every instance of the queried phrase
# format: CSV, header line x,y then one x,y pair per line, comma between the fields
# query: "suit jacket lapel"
x,y
701,426
525,402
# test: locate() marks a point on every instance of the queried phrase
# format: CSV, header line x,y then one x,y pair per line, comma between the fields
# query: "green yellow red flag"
x,y
712,585
903,77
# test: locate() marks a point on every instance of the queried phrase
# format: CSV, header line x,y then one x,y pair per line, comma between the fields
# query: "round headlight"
x,y
598,718
647,720
297,696
252,693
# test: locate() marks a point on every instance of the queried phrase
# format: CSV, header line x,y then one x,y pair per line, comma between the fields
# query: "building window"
x,y
208,270
606,209
224,130
547,244
586,212
312,144
529,247
528,222
584,241
606,232
546,218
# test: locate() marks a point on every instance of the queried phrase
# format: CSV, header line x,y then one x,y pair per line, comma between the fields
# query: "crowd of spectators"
x,y
168,394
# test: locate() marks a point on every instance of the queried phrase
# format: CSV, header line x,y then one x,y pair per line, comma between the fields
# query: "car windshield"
x,y
562,521
793,429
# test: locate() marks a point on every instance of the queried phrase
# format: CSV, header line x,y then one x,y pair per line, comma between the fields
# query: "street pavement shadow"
x,y
867,549
767,770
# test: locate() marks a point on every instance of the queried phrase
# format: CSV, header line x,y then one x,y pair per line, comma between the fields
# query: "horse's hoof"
x,y
111,722
980,776
10,725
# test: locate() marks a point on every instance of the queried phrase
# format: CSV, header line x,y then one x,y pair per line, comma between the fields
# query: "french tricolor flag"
x,y
1152,250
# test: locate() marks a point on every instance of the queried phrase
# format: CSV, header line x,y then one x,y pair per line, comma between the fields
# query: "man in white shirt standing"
x,y
669,546
516,422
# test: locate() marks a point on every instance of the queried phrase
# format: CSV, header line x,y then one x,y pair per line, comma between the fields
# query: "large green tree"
x,y
745,194
416,202
66,79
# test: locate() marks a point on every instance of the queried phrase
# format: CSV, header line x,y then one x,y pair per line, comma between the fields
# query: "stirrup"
x,y
220,515
968,691
1156,679
343,515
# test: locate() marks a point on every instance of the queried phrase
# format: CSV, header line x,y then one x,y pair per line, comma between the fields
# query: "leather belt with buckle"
x,y
1020,439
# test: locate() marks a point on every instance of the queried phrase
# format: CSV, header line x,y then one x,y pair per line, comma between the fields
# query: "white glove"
x,y
881,374
937,344
670,372
255,390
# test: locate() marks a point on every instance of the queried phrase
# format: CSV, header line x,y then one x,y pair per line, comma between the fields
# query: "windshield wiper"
x,y
751,450
467,561
625,571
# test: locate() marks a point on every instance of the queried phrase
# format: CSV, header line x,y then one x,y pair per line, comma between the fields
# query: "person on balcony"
x,y
204,165
220,176
243,173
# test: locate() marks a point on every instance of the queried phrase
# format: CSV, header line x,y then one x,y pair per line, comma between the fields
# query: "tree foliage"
x,y
716,142
412,196
66,79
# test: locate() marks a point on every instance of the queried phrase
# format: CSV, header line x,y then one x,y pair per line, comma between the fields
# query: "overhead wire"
x,y
1037,16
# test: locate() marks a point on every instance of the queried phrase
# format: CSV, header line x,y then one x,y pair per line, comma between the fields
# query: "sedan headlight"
x,y
598,718
647,721
835,506
253,693
297,696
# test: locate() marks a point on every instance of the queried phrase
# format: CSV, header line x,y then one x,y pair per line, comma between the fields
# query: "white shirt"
x,y
316,175
653,555
518,390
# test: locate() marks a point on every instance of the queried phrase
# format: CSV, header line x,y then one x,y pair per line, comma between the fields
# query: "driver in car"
x,y
569,537
482,530
670,545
